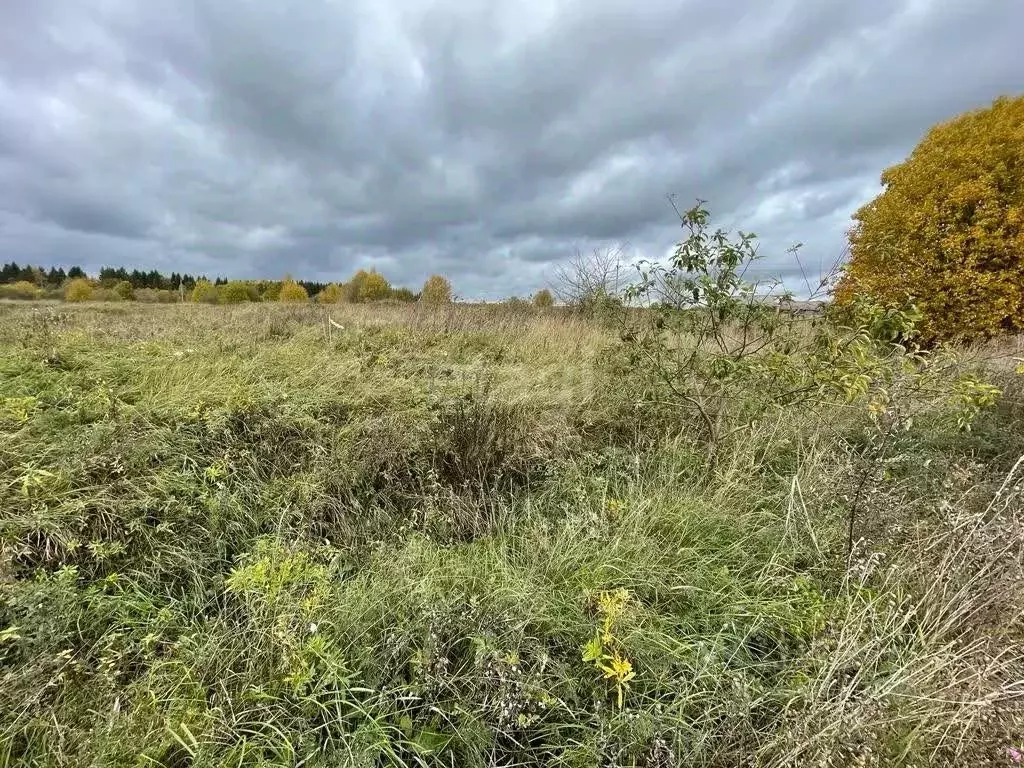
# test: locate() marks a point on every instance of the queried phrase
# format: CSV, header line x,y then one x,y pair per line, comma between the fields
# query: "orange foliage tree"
x,y
947,233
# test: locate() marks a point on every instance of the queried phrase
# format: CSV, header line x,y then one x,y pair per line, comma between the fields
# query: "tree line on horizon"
x,y
119,284
108,277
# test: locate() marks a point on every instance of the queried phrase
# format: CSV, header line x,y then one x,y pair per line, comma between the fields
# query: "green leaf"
x,y
593,650
428,742
405,723
11,633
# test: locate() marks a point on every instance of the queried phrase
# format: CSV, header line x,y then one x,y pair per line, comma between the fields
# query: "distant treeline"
x,y
119,284
108,277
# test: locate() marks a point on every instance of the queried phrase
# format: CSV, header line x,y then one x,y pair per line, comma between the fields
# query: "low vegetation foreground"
x,y
501,536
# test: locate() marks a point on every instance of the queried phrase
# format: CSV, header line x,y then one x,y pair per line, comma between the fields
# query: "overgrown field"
x,y
475,536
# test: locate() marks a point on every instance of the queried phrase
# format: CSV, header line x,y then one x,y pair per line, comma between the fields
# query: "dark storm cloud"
x,y
488,141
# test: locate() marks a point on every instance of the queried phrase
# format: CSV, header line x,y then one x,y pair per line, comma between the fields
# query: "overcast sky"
x,y
484,140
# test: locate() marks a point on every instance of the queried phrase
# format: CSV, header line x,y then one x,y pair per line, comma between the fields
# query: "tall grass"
x,y
253,536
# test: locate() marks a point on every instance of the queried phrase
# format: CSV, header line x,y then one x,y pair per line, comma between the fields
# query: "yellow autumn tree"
x,y
436,290
78,289
947,232
543,298
23,289
292,293
369,286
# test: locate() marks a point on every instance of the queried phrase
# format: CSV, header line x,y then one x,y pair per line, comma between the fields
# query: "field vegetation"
x,y
272,534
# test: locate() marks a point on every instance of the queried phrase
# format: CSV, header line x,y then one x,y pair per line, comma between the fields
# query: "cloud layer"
x,y
487,141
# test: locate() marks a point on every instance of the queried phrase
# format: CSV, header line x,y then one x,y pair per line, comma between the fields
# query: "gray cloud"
x,y
488,141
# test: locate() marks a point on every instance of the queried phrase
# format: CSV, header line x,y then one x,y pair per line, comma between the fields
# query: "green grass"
x,y
246,536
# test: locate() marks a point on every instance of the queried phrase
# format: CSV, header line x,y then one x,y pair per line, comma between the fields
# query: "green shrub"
x,y
124,291
236,292
517,303
205,292
269,290
711,346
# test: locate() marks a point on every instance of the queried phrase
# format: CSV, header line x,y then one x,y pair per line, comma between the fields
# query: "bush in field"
x,y
124,291
268,290
22,289
354,287
332,294
369,286
543,298
204,292
711,339
155,296
236,292
78,289
947,233
517,303
292,293
436,290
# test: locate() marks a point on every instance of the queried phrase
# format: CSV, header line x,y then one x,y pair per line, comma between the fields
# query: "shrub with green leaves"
x,y
269,290
236,292
726,352
204,292
403,295
124,291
